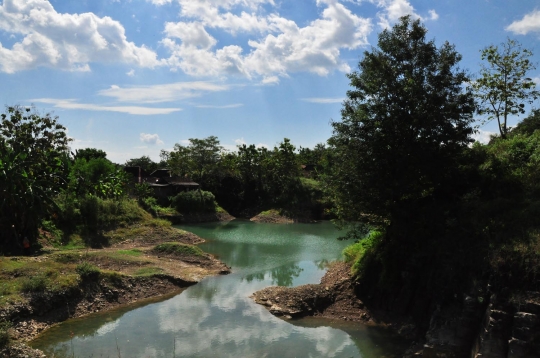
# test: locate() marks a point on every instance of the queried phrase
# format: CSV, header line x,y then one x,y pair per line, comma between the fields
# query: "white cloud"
x,y
529,23
150,138
323,100
131,73
270,80
236,105
72,104
162,93
483,136
394,9
284,48
64,41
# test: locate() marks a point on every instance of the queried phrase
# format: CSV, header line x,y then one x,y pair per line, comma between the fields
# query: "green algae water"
x,y
216,318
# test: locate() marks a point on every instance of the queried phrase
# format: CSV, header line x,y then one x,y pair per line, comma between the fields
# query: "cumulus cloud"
x,y
284,46
73,104
150,138
483,136
64,41
162,93
529,23
394,9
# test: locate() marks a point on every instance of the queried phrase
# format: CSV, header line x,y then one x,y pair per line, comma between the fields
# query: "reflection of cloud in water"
x,y
107,328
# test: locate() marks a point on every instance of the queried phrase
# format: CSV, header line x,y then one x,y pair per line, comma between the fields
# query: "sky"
x,y
134,77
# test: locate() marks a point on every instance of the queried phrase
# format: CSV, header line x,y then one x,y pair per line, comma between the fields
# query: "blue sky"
x,y
133,77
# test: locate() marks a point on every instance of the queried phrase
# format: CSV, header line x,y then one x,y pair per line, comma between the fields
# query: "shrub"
x,y
4,333
36,283
194,202
88,272
359,253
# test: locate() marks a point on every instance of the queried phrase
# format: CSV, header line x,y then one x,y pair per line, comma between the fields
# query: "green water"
x,y
216,318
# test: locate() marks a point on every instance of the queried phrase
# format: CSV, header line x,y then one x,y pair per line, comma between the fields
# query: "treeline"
x,y
47,190
252,178
447,217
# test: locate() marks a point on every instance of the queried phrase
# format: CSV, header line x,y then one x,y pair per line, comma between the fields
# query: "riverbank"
x,y
505,326
143,261
334,298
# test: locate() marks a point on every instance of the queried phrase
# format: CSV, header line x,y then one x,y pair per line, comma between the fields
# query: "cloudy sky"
x,y
133,77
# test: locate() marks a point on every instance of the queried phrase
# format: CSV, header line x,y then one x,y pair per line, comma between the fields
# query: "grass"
x,y
132,252
355,253
271,212
177,249
148,271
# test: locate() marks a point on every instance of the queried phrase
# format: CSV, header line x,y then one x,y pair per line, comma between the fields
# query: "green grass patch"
x,y
174,248
133,252
356,253
148,271
271,212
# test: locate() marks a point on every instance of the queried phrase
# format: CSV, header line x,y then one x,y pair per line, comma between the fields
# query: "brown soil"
x,y
333,298
168,274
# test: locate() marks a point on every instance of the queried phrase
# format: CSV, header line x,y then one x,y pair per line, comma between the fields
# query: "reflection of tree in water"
x,y
321,264
284,275
281,276
259,276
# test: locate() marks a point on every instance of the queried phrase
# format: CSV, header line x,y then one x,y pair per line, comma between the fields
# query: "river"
x,y
216,317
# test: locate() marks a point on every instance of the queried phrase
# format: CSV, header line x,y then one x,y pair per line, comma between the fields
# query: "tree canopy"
x,y
33,163
503,87
404,125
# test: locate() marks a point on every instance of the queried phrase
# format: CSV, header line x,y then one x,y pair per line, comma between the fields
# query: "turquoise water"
x,y
216,318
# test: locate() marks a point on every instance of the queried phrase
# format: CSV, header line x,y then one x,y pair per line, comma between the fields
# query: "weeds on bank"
x,y
177,249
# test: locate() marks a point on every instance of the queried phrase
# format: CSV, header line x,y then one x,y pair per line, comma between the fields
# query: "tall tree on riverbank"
x,y
403,129
503,88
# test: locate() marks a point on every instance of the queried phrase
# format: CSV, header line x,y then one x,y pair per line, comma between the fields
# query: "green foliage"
x,y
33,284
87,271
177,249
33,157
194,202
89,153
528,125
360,253
503,88
97,177
4,333
404,127
144,162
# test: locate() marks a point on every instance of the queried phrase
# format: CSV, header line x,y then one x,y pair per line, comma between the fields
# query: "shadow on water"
x,y
371,341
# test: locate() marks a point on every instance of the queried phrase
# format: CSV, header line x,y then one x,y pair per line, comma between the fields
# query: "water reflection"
x,y
217,317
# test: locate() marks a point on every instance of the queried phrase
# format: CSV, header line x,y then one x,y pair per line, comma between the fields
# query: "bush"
x,y
358,253
36,283
195,202
4,333
88,272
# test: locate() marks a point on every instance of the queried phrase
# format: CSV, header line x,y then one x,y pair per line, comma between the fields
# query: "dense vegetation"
x,y
449,216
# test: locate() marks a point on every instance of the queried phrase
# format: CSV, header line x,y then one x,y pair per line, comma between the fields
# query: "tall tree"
x,y
503,88
403,128
33,161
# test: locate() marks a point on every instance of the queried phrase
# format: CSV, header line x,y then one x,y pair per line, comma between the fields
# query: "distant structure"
x,y
161,181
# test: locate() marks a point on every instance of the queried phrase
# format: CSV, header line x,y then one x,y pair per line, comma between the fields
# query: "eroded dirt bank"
x,y
120,282
333,298
506,326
